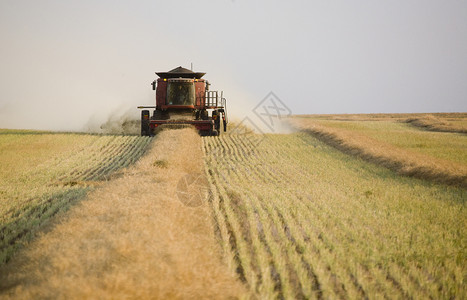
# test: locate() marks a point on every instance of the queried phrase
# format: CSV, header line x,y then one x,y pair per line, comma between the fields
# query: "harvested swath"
x,y
433,123
400,160
131,238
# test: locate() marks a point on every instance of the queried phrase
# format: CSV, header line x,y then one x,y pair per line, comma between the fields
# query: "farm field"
x,y
131,238
448,122
299,219
395,143
345,207
402,134
43,173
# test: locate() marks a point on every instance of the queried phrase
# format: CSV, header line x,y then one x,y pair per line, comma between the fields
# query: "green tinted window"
x,y
181,93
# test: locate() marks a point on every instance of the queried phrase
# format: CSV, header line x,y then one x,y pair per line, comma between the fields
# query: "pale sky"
x,y
66,62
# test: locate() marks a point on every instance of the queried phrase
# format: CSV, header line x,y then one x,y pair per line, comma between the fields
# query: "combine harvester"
x,y
184,99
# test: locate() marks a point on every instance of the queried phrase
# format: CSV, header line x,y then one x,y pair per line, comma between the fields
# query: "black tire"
x,y
204,133
204,115
217,121
145,129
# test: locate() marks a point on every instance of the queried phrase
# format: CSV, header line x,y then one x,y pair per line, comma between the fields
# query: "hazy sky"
x,y
63,62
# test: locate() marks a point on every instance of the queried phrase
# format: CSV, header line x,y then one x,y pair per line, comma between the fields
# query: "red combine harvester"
x,y
183,98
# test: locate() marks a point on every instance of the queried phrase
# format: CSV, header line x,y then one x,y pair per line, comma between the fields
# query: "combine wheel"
x,y
204,115
145,130
216,116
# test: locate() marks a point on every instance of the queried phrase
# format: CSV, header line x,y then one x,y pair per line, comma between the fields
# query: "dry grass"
x,y
454,117
42,174
374,147
299,219
132,238
443,145
433,123
443,122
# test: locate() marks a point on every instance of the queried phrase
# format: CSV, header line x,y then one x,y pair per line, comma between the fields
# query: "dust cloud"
x,y
255,112
119,122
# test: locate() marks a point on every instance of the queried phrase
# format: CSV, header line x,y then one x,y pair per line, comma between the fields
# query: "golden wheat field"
x,y
344,207
43,173
130,238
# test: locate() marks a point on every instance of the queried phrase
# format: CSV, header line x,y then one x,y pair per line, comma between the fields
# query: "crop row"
x,y
297,219
51,187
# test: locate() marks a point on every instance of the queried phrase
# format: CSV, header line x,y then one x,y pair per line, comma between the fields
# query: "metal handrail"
x,y
224,104
212,99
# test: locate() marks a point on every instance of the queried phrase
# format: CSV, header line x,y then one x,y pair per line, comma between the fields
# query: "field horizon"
x,y
125,125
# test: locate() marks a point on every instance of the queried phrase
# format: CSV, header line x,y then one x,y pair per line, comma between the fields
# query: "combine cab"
x,y
184,98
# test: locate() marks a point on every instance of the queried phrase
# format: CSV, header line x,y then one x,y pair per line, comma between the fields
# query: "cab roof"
x,y
180,72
